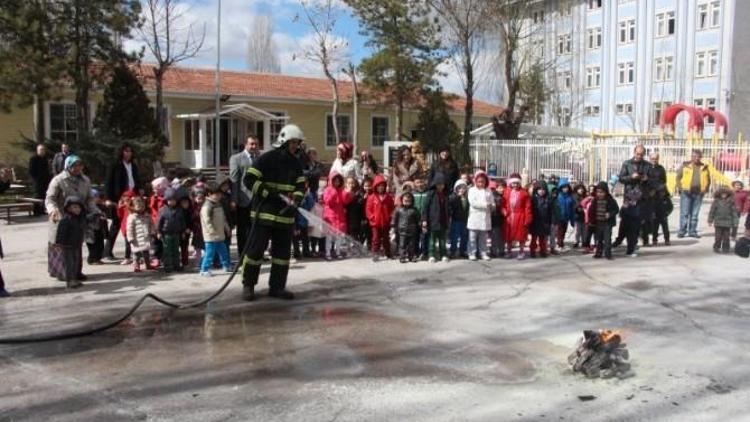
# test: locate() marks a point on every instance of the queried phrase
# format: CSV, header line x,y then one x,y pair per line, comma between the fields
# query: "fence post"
x,y
527,155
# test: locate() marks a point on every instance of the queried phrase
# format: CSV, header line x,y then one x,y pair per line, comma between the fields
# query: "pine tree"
x,y
435,125
407,51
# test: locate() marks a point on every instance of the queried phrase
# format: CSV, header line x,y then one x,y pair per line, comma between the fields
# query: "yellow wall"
x,y
310,117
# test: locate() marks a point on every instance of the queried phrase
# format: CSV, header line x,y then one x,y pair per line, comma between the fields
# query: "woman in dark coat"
x,y
39,171
123,176
445,165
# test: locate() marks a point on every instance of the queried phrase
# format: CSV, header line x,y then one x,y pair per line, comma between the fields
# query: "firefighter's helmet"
x,y
288,133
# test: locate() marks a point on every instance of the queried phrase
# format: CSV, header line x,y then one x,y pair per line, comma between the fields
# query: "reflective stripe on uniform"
x,y
278,261
301,179
270,217
256,185
280,186
298,193
255,172
251,262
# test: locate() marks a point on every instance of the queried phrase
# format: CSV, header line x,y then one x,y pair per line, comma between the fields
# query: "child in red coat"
x,y
517,213
335,200
379,209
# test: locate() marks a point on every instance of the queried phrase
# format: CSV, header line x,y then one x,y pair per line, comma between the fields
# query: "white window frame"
x,y
701,64
592,111
706,102
48,121
626,73
714,15
372,126
663,68
624,109
659,106
325,128
594,38
565,8
564,44
593,77
195,142
712,60
626,33
662,24
701,16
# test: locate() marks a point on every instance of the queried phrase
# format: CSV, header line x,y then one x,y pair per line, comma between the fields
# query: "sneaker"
x,y
330,258
632,255
532,254
4,293
206,274
544,254
403,260
610,258
521,256
695,236
667,243
485,257
446,259
415,259
126,261
432,260
716,250
374,258
472,257
596,256
680,235
508,255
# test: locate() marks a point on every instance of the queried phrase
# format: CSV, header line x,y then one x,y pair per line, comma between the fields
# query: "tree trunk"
x,y
39,111
463,152
159,80
335,113
355,107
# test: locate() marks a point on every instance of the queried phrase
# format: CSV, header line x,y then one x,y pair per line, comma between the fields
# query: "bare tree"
x,y
169,40
262,52
465,35
327,50
351,71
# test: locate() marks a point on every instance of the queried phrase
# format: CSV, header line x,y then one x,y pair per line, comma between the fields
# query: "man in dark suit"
x,y
238,165
39,171
123,176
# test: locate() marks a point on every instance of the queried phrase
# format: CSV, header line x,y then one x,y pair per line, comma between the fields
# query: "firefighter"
x,y
274,174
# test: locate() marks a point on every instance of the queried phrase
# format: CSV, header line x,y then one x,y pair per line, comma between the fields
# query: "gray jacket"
x,y
238,165
65,185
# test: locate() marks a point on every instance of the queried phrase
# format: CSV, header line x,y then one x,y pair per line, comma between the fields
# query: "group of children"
x,y
160,229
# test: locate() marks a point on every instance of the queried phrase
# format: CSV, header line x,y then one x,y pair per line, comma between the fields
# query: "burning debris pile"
x,y
601,354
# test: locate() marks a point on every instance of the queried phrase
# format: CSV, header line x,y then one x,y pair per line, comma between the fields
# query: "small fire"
x,y
608,335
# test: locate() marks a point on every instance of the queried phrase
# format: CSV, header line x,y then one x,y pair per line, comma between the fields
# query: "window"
x,y
665,24
344,126
594,40
564,44
713,63
379,131
624,109
564,79
709,103
593,76
62,119
700,64
591,111
663,68
715,14
538,16
565,8
595,4
626,73
627,31
657,111
702,16
709,15
191,135
564,116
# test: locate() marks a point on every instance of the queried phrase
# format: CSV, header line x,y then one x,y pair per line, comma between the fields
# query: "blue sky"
x,y
290,36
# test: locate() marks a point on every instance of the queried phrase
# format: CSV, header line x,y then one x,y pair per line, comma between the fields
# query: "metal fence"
x,y
590,160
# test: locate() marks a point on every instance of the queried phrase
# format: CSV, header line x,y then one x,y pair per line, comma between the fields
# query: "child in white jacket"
x,y
481,202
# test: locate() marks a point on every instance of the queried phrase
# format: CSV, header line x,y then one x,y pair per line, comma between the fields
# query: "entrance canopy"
x,y
526,131
236,121
241,111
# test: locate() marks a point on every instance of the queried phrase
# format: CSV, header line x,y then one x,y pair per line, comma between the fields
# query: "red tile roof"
x,y
184,80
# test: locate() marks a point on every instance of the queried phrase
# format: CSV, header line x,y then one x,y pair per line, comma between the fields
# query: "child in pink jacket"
x,y
335,200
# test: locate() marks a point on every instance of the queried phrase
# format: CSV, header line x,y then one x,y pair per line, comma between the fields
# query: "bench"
x,y
22,206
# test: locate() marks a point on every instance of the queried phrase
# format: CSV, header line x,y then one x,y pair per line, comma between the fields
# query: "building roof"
x,y
186,81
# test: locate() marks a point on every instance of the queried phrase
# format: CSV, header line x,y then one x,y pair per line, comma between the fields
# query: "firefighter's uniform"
x,y
276,172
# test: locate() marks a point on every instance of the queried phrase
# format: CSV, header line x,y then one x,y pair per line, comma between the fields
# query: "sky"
x,y
291,36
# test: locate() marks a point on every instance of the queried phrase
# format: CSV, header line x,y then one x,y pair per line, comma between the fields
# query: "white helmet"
x,y
288,133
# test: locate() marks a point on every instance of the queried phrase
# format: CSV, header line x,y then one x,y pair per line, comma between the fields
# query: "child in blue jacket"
x,y
567,211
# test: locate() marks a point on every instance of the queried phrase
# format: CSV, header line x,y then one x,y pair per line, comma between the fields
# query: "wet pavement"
x,y
386,341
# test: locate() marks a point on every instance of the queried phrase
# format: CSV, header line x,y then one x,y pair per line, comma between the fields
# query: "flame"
x,y
608,335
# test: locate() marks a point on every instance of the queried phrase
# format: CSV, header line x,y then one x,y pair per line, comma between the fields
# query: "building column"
x,y
267,135
202,159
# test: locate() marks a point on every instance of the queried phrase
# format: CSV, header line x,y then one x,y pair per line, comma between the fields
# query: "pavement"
x,y
480,341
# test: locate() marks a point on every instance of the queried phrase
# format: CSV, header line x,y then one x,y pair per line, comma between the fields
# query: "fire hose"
x,y
127,314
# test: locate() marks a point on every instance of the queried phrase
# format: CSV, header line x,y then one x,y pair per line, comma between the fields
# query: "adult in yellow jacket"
x,y
693,181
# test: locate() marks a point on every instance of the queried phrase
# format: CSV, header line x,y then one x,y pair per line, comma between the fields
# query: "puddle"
x,y
279,341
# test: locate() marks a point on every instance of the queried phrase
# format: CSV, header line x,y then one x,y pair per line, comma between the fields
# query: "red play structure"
x,y
696,118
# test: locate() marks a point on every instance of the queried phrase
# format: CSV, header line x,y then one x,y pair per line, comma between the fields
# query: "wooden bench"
x,y
22,206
